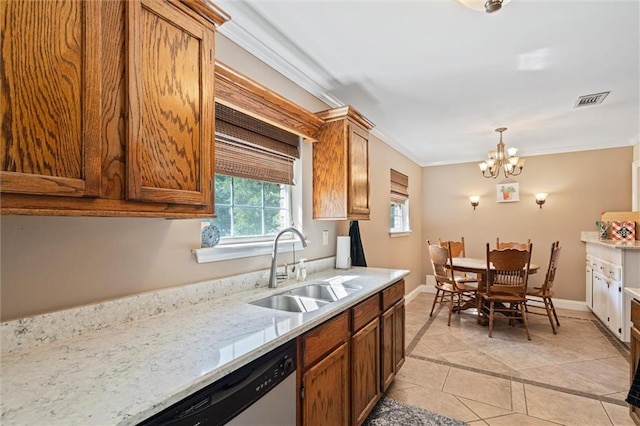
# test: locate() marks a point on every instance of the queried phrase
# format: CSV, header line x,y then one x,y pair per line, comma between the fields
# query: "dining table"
x,y
476,266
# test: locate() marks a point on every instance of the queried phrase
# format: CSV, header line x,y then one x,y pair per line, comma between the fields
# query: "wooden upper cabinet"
x,y
341,166
171,106
108,107
50,98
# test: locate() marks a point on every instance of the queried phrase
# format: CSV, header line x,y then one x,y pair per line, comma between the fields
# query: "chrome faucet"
x,y
273,280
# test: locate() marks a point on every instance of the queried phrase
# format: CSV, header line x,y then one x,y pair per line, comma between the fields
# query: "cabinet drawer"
x,y
365,311
392,294
324,338
635,313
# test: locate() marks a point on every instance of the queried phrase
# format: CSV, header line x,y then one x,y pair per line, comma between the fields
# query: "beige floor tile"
x,y
617,362
564,408
614,378
620,396
446,342
518,419
423,373
482,410
518,356
477,359
479,387
400,384
434,401
424,348
518,402
619,415
563,376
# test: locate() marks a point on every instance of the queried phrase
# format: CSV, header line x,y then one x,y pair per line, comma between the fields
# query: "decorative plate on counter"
x,y
210,236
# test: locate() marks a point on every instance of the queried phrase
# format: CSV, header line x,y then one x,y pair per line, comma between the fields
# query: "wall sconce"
x,y
541,197
475,200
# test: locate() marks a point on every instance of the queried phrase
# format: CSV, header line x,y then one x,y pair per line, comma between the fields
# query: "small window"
x,y
399,196
248,208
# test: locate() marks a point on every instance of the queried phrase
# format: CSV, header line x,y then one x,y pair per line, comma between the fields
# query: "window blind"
x,y
249,148
399,187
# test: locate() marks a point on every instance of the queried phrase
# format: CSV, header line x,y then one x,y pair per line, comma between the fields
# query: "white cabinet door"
x,y
600,296
615,307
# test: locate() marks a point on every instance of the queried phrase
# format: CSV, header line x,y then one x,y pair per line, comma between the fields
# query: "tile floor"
x,y
578,377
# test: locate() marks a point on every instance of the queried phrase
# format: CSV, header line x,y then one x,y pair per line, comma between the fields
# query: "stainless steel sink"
x,y
308,298
291,303
327,292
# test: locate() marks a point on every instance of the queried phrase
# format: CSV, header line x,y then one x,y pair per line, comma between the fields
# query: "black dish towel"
x,y
357,251
633,397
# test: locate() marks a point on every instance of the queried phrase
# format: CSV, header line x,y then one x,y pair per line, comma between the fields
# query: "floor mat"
x,y
393,413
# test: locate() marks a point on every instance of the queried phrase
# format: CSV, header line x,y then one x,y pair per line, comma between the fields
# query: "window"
x,y
248,208
399,210
255,193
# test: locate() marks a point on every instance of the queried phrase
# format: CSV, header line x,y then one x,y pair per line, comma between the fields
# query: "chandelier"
x,y
488,6
511,165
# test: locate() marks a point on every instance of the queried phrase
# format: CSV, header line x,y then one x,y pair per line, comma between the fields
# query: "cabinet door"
x,y
398,335
50,97
387,349
171,111
358,197
600,295
589,289
614,309
365,371
326,390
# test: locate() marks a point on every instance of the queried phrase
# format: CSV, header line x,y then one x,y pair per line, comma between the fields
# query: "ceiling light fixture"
x,y
511,165
488,6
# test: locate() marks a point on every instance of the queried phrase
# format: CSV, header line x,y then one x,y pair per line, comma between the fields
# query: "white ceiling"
x,y
437,78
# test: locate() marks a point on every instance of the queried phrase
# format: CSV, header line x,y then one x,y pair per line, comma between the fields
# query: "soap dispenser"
x,y
301,271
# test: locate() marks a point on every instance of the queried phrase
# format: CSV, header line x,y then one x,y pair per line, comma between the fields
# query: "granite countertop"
x,y
592,237
127,372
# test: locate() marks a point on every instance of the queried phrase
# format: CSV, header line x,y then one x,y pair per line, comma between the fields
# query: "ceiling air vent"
x,y
587,100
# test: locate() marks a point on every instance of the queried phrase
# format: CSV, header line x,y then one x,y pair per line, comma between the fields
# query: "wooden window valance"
x,y
399,187
241,93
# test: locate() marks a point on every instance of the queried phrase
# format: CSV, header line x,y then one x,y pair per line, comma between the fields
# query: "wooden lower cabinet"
x,y
346,363
634,346
323,373
392,333
365,358
326,398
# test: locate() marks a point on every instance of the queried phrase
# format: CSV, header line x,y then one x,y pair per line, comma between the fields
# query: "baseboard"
x,y
414,293
574,305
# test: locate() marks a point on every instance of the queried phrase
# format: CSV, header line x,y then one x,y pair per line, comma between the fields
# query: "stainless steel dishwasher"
x,y
262,392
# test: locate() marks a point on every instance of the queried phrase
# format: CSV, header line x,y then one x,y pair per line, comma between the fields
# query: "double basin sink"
x,y
308,298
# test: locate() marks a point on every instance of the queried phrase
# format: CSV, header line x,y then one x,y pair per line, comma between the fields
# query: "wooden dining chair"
x,y
542,297
512,244
507,278
457,250
449,289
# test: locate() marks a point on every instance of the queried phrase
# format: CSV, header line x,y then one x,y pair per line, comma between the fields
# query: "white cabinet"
x,y
609,269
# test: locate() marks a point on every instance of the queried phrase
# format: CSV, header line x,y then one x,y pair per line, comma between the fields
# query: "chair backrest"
x,y
456,247
553,266
512,245
440,259
508,270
